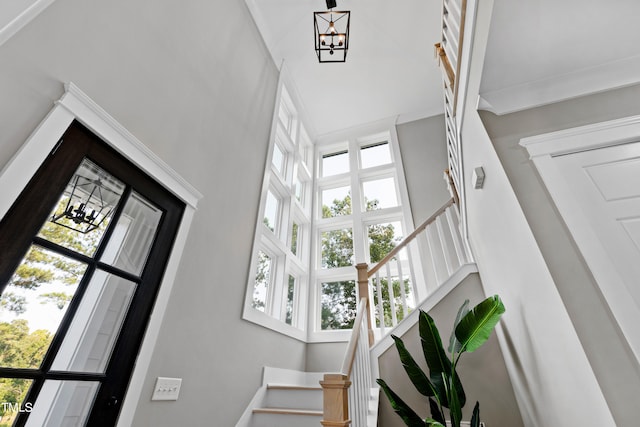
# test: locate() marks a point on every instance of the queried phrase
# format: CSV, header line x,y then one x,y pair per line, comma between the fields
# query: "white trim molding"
x,y
600,78
544,150
12,21
76,105
589,137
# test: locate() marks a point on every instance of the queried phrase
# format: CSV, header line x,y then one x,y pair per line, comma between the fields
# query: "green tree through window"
x,y
339,301
19,346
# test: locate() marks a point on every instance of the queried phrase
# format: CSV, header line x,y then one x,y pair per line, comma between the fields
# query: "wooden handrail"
x,y
350,355
410,237
443,60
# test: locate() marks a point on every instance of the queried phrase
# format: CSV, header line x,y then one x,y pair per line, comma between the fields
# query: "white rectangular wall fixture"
x,y
478,177
166,388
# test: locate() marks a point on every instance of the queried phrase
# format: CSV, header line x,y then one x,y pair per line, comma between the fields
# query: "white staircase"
x,y
289,405
286,398
290,398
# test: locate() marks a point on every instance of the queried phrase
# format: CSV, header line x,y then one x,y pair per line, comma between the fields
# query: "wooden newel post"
x,y
335,390
363,292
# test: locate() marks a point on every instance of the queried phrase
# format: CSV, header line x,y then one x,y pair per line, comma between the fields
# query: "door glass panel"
x,y
63,403
12,394
82,214
33,305
133,235
90,340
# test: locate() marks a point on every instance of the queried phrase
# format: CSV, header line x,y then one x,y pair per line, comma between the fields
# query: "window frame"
x,y
359,219
293,139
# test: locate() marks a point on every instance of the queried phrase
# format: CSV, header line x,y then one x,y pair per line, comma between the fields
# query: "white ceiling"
x,y
543,51
390,68
538,52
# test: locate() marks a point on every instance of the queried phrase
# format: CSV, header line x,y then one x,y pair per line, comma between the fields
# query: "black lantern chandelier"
x,y
90,199
331,34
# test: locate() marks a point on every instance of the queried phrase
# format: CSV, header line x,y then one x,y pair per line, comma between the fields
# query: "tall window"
x,y
360,216
280,263
325,207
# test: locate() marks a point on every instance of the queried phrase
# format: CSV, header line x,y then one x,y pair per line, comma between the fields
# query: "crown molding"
x,y
22,18
600,78
90,114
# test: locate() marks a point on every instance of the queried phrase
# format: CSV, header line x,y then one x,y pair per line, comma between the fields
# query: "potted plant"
x,y
442,386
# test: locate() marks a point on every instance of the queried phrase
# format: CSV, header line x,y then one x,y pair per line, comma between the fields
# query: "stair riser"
x,y
294,399
277,420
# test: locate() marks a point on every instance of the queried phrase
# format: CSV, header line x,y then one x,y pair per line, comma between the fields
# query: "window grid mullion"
x,y
356,202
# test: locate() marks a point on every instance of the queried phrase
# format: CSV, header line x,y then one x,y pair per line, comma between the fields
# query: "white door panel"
x,y
605,187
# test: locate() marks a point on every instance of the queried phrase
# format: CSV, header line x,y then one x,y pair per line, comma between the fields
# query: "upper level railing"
x,y
413,269
449,55
449,49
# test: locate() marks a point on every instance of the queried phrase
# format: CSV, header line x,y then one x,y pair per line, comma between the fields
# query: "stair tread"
x,y
289,411
292,387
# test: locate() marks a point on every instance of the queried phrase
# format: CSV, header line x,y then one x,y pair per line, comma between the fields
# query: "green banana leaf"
x,y
410,418
440,368
475,327
415,373
475,418
436,413
455,408
454,344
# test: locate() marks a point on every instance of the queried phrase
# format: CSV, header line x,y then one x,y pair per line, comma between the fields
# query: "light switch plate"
x,y
166,388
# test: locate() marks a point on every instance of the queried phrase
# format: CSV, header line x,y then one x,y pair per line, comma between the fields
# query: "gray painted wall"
x,y
609,355
204,106
423,149
551,376
483,372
